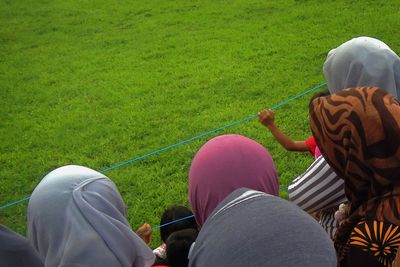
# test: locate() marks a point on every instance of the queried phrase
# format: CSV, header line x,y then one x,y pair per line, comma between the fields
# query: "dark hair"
x,y
175,213
178,247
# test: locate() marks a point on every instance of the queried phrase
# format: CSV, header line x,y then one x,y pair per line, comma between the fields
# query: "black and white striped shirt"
x,y
319,189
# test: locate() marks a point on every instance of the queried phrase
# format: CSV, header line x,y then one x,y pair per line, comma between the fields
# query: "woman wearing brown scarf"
x,y
358,132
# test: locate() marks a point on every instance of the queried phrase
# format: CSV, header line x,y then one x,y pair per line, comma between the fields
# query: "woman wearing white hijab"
x,y
76,217
362,61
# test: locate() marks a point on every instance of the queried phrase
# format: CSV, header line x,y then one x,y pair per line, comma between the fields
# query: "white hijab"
x,y
76,217
363,61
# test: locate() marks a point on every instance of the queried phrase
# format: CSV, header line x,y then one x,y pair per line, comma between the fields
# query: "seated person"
x,y
357,130
244,227
76,217
171,214
362,61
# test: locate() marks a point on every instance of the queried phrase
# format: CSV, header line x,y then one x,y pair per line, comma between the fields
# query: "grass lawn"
x,y
96,83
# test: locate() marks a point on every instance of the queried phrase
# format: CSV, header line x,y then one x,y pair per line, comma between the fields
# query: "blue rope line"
x,y
209,132
178,144
187,140
166,224
300,95
172,222
14,203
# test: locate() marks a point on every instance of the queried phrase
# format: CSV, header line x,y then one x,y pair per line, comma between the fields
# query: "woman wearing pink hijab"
x,y
233,188
224,164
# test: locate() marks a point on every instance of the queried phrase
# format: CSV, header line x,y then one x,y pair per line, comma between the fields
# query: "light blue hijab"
x,y
76,217
363,61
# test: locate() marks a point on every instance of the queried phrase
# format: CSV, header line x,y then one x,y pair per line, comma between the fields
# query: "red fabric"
x,y
310,142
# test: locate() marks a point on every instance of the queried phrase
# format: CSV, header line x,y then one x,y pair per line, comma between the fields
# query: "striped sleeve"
x,y
328,222
318,188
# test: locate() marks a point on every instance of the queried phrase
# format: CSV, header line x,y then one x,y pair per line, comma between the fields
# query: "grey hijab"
x,y
363,61
251,228
16,251
76,217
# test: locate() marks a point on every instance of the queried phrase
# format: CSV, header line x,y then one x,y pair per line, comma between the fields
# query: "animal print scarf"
x,y
358,132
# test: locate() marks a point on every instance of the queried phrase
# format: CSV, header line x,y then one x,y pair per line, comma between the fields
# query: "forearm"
x,y
286,141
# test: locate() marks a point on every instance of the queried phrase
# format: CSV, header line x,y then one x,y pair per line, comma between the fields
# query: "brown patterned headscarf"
x,y
358,132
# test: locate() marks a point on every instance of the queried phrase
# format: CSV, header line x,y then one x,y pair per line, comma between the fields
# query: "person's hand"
x,y
266,117
145,232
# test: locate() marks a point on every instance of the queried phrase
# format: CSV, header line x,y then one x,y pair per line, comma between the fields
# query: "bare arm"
x,y
267,118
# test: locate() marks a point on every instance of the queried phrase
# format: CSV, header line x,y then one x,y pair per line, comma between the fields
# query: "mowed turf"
x,y
96,83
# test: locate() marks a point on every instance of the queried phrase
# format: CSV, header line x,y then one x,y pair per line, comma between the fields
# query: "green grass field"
x,y
96,83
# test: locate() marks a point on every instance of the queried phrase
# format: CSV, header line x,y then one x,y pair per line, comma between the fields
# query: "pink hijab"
x,y
224,164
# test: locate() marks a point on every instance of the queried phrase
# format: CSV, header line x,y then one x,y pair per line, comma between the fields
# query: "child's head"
x,y
178,247
175,213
